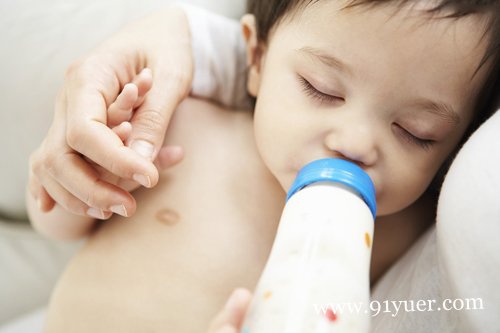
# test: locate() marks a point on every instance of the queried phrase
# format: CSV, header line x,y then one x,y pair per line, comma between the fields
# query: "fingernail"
x,y
107,215
119,209
95,213
142,179
143,148
39,203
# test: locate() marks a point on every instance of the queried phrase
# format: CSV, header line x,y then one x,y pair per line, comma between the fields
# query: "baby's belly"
x,y
200,233
168,269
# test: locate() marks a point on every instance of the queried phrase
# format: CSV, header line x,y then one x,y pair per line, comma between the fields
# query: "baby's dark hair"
x,y
268,13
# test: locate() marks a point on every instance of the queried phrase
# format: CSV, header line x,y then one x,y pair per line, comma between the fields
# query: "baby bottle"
x,y
317,276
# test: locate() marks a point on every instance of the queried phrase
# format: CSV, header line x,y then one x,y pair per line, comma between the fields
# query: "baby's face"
x,y
390,90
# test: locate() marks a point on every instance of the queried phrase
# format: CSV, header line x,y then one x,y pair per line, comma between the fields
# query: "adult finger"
x,y
99,143
43,200
226,329
63,198
88,133
150,121
232,315
79,178
75,174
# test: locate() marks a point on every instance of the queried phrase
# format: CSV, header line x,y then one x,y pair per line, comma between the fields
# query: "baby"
x,y
390,86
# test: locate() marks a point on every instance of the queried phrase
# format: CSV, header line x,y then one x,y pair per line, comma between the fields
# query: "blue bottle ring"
x,y
340,171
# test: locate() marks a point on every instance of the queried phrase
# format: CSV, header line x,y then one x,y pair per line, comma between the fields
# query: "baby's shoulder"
x,y
220,153
210,133
200,117
220,142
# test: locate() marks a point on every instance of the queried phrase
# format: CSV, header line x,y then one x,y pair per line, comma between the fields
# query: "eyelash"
x,y
425,144
309,89
315,93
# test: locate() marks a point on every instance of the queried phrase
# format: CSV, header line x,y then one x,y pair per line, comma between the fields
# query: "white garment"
x,y
219,56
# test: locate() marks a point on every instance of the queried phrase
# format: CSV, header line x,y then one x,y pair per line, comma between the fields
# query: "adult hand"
x,y
61,169
230,318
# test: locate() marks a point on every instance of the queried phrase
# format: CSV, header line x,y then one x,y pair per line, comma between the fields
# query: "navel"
x,y
167,216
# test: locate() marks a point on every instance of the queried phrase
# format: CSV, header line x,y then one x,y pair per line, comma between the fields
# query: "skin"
x,y
371,113
230,318
371,100
202,232
53,223
290,128
62,168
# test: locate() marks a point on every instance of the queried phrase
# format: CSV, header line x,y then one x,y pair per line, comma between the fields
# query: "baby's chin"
x,y
285,178
386,206
386,211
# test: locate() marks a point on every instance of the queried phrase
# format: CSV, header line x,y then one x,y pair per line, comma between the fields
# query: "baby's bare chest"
x,y
182,253
205,229
200,233
200,223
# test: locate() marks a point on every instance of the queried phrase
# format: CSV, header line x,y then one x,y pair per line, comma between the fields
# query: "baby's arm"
x,y
60,223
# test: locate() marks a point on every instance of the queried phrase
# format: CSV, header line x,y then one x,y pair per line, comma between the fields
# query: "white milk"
x,y
317,275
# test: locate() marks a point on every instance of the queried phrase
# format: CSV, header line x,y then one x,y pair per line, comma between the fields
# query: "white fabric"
x,y
31,322
220,60
29,267
459,257
468,226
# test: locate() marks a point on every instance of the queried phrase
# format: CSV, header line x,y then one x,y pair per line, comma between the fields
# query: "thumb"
x,y
233,313
150,121
148,132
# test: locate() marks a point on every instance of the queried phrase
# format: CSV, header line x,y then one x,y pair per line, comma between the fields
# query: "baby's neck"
x,y
396,233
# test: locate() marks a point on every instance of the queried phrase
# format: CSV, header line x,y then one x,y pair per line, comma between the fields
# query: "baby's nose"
x,y
353,143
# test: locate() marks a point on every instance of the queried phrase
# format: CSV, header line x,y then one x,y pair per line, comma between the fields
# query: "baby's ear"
x,y
254,53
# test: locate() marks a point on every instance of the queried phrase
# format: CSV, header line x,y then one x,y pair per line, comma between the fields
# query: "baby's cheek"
x,y
394,198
